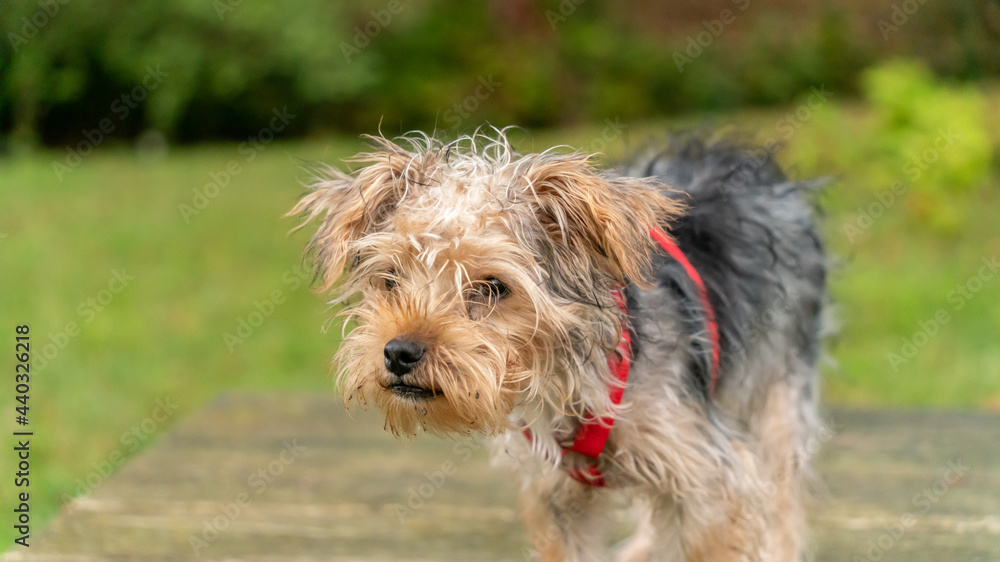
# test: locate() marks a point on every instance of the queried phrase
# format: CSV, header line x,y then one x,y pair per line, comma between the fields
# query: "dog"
x,y
649,333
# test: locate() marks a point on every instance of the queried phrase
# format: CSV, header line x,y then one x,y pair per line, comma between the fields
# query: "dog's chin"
x,y
410,409
414,393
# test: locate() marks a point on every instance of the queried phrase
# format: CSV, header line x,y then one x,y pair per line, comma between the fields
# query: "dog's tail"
x,y
751,234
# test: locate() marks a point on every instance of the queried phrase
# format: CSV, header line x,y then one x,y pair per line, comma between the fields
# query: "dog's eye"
x,y
492,288
389,280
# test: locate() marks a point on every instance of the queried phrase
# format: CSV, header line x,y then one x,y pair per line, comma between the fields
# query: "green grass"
x,y
162,335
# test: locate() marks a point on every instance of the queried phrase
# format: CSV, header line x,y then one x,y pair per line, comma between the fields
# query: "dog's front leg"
x,y
564,518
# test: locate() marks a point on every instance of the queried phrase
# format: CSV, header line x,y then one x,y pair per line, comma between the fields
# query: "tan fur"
x,y
596,217
784,462
448,221
563,519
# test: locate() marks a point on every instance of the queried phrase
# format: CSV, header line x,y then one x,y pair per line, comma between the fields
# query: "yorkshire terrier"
x,y
650,333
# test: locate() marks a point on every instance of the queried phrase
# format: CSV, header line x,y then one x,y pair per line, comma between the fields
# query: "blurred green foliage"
x,y
65,64
934,134
349,66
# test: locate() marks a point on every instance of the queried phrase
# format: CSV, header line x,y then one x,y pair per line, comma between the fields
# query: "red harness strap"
x,y
706,305
592,435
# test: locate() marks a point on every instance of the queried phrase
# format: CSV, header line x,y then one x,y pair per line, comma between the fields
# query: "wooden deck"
x,y
291,477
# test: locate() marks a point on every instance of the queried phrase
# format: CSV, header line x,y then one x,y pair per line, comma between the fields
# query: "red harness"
x,y
592,435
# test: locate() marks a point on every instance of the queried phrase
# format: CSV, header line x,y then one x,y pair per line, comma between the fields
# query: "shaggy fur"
x,y
494,273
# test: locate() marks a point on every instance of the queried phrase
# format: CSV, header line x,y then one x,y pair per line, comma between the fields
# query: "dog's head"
x,y
476,279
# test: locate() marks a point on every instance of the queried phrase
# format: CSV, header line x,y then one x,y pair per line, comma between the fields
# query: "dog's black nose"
x,y
402,355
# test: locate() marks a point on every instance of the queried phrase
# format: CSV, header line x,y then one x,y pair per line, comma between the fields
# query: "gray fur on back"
x,y
750,233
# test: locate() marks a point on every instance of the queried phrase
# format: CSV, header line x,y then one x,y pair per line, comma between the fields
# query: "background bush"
x,y
934,134
558,62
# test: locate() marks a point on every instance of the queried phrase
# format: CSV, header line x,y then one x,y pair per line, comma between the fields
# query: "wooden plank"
x,y
291,477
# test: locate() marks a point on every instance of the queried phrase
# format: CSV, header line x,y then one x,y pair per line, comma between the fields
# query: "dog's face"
x,y
476,280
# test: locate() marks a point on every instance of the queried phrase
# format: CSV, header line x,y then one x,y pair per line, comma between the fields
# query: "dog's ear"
x,y
352,205
603,219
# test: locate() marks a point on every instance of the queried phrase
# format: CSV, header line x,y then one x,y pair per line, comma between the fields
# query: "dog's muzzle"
x,y
402,355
